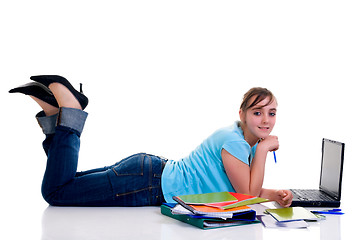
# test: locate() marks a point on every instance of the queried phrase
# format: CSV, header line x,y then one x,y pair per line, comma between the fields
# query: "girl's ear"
x,y
242,116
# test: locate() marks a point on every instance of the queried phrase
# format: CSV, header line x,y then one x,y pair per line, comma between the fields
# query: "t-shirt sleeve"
x,y
238,149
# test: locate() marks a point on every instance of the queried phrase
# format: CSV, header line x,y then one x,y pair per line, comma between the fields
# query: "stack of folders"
x,y
213,210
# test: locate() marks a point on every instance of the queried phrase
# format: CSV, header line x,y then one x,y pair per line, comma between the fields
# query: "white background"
x,y
163,75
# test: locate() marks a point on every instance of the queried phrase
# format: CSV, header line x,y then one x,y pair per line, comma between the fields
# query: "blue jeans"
x,y
134,181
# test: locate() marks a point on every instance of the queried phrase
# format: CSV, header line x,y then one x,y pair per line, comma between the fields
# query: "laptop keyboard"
x,y
310,195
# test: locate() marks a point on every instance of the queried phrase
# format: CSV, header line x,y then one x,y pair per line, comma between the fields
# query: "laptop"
x,y
329,192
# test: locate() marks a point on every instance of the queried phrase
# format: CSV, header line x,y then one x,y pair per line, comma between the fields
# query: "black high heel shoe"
x,y
37,90
46,80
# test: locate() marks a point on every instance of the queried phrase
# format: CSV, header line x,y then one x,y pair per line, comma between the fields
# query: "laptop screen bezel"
x,y
335,195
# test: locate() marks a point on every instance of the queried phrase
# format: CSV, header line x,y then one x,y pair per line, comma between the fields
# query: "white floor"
x,y
134,223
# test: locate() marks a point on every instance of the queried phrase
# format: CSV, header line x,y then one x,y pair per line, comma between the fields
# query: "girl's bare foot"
x,y
63,96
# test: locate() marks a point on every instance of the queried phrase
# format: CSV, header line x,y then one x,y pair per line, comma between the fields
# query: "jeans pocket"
x,y
131,166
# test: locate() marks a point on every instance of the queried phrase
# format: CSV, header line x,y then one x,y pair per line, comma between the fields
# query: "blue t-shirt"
x,y
203,171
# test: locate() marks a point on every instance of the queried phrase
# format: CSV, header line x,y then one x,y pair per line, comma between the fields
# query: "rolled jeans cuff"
x,y
72,118
47,123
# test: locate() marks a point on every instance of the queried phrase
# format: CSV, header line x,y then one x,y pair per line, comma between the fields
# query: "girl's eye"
x,y
272,114
257,113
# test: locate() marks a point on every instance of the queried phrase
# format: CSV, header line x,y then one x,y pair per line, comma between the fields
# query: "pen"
x,y
335,210
275,157
328,212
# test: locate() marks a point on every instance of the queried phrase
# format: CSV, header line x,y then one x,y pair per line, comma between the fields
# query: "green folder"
x,y
246,202
204,223
292,214
207,198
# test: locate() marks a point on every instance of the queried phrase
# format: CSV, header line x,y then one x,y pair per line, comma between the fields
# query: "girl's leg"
x,y
48,124
103,169
96,170
60,185
135,181
62,148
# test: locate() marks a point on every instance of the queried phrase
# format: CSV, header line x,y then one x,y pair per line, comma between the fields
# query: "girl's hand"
x,y
283,197
269,143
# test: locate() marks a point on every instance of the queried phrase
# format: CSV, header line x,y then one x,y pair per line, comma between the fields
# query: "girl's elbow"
x,y
255,192
251,192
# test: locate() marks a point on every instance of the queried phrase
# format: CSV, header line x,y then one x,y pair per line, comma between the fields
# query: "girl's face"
x,y
259,120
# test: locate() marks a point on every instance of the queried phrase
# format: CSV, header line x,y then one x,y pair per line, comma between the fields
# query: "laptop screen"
x,y
332,167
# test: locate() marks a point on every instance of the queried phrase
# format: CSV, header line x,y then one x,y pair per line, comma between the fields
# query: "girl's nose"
x,y
265,119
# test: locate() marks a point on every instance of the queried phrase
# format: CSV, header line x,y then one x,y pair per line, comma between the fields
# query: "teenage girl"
x,y
231,159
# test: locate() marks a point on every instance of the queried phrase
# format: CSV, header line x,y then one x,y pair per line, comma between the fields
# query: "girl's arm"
x,y
245,179
249,179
